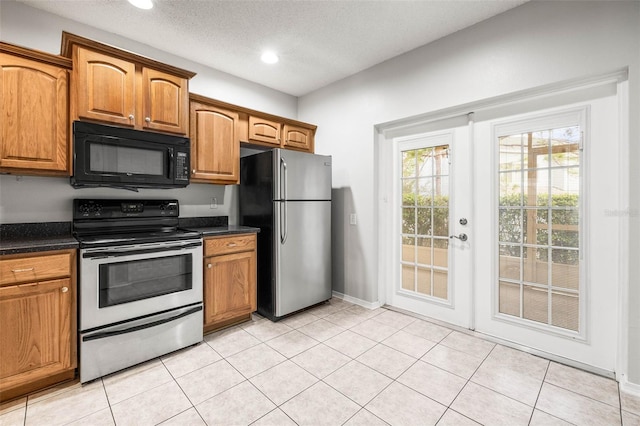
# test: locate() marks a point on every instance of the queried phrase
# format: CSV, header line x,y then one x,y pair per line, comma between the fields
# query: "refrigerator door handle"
x,y
283,228
283,216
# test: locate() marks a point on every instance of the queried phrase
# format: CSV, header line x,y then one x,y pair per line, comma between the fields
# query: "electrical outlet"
x,y
353,219
214,203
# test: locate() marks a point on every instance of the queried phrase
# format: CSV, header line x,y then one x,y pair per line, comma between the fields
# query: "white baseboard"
x,y
627,387
356,301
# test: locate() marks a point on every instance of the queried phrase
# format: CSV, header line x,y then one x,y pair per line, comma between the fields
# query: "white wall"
x,y
44,199
533,45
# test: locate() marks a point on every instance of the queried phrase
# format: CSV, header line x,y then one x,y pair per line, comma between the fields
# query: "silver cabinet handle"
x,y
461,237
147,119
231,244
131,117
64,289
209,266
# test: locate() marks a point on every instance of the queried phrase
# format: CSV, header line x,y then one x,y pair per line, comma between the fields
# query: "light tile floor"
x,y
332,365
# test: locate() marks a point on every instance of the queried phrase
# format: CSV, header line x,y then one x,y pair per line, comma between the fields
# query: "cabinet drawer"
x,y
34,268
231,244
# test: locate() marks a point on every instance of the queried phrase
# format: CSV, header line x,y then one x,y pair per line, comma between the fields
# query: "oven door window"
x,y
124,282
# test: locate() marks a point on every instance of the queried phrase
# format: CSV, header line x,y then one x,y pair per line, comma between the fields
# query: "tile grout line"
x,y
449,407
104,388
546,371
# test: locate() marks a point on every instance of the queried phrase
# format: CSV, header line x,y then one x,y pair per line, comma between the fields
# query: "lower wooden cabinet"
x,y
37,321
229,280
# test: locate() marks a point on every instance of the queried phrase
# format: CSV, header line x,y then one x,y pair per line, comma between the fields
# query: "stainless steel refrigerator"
x,y
287,194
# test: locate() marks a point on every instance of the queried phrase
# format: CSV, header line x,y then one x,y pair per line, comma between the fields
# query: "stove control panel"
x,y
118,208
132,207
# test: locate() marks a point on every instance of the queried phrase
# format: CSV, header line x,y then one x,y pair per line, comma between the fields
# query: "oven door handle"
x,y
106,334
120,253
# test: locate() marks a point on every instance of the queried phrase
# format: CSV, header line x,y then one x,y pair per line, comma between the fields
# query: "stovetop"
x,y
111,222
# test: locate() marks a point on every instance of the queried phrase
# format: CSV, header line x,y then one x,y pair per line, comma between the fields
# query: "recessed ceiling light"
x,y
142,4
269,57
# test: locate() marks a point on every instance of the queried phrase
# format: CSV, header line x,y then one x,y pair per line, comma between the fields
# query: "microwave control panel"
x,y
182,166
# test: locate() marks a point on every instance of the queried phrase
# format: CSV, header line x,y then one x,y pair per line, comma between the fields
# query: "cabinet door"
x,y
104,88
230,286
215,146
38,341
165,102
262,130
35,114
298,138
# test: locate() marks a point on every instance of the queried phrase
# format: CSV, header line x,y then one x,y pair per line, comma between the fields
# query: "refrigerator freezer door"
x,y
301,176
302,261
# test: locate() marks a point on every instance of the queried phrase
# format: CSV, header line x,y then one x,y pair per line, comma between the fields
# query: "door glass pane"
x,y
441,252
408,249
408,220
510,262
424,281
565,310
440,280
509,298
408,277
424,251
565,271
535,304
535,265
424,221
538,226
425,227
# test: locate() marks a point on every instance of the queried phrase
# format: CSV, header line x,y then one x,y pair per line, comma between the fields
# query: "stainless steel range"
x,y
140,283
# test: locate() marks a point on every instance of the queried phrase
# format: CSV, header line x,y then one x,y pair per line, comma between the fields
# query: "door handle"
x,y
461,237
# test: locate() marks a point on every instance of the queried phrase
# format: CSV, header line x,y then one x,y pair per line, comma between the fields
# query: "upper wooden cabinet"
x,y
264,130
282,133
296,137
253,128
35,113
104,88
215,144
114,86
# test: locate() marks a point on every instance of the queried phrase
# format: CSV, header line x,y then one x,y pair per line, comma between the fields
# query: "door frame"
x,y
537,98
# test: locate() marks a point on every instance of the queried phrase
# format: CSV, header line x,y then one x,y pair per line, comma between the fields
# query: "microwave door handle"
x,y
170,151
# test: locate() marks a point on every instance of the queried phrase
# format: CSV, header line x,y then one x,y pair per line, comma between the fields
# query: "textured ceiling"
x,y
319,42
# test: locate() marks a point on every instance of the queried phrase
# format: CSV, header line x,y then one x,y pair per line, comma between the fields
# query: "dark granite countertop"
x,y
18,238
34,237
212,231
214,226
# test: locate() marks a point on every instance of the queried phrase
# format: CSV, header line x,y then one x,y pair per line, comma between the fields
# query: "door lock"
x,y
463,221
461,237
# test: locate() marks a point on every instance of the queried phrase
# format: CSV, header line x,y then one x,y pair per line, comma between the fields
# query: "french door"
x,y
536,198
432,221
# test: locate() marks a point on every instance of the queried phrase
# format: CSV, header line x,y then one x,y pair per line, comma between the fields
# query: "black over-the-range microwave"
x,y
125,158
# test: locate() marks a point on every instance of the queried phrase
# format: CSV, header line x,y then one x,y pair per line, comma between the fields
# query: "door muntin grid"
x,y
424,203
539,205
